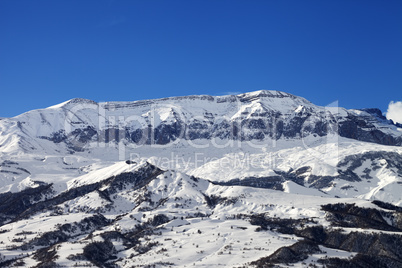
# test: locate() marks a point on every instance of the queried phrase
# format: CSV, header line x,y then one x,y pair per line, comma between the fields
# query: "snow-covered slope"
x,y
245,180
147,216
81,124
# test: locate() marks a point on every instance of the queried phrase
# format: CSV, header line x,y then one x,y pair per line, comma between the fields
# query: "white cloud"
x,y
394,111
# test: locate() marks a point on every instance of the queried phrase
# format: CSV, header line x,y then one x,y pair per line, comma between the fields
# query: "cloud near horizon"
x,y
394,111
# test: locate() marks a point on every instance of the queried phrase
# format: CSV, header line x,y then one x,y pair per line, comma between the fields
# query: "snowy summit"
x,y
261,179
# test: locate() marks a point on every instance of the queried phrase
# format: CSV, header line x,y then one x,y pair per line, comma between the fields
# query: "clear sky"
x,y
104,50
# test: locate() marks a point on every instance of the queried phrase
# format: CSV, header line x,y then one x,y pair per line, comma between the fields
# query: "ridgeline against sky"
x,y
52,51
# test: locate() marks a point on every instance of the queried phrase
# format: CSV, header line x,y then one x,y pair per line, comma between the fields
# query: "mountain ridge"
x,y
258,179
249,116
230,97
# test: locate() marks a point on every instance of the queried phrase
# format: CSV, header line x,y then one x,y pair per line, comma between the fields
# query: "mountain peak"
x,y
224,178
74,101
266,93
81,100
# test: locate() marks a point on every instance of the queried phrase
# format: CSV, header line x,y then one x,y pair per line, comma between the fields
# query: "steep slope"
x,y
80,124
258,179
268,125
143,215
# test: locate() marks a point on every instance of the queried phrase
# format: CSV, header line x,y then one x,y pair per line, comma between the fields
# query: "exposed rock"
x,y
13,204
361,261
286,255
265,122
272,182
100,252
352,216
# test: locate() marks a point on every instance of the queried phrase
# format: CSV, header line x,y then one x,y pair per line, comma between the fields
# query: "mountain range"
x,y
260,179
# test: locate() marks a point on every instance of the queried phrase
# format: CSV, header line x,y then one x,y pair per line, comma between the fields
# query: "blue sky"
x,y
104,50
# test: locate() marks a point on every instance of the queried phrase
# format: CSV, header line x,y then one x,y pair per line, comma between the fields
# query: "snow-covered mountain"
x,y
252,116
257,179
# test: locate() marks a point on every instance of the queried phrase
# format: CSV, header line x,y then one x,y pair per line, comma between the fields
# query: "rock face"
x,y
292,254
374,249
349,215
282,182
250,116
